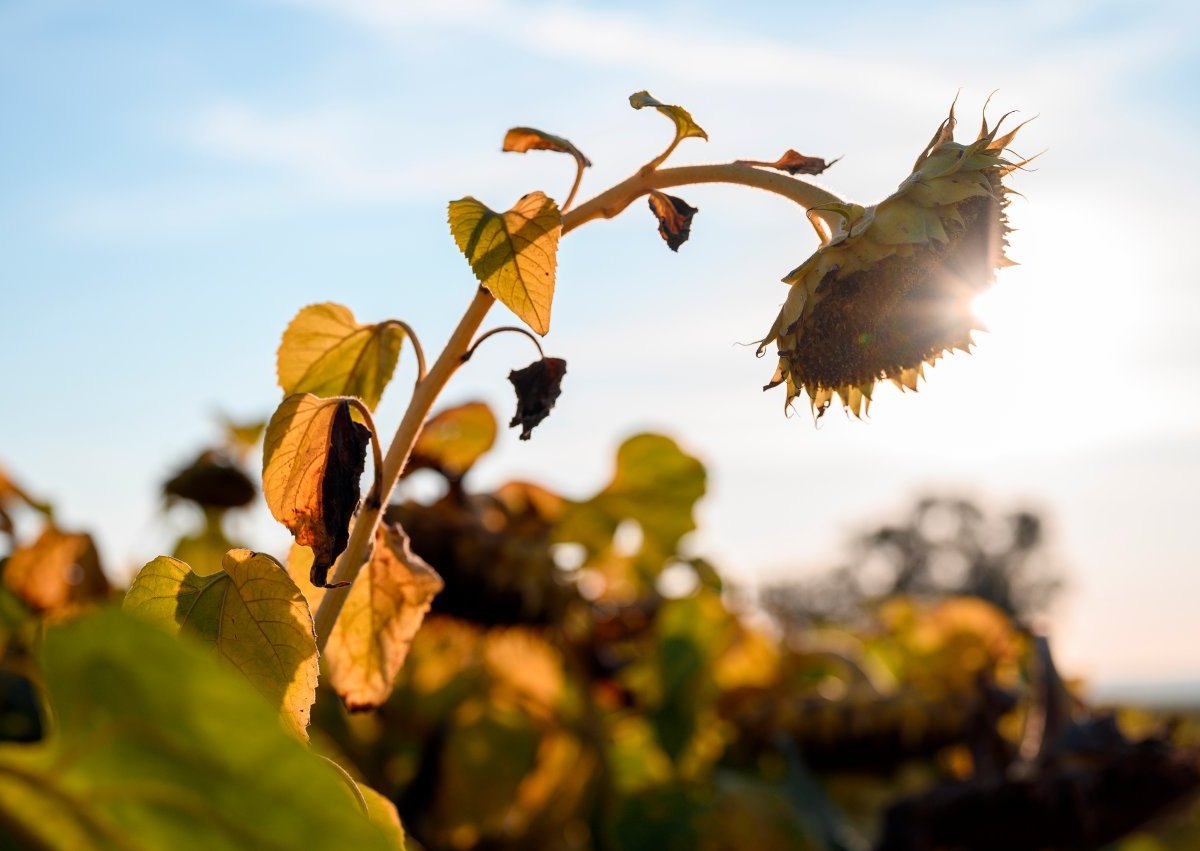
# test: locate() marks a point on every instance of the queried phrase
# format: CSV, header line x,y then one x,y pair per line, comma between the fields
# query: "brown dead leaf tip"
x,y
674,218
794,162
339,492
538,387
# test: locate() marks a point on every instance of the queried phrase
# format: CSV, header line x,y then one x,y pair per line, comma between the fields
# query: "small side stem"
x,y
612,201
513,328
374,496
579,167
426,393
661,158
416,344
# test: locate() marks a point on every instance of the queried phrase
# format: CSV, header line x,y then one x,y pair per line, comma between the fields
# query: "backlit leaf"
x,y
382,813
538,387
674,218
522,139
383,611
513,254
454,439
156,746
656,484
794,162
57,572
313,458
251,612
685,127
326,353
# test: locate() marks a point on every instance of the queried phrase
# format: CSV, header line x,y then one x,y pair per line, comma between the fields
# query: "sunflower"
x,y
890,288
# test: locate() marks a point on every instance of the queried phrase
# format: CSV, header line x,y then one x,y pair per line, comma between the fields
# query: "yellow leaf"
x,y
454,439
326,353
383,611
522,139
251,612
685,127
513,254
313,458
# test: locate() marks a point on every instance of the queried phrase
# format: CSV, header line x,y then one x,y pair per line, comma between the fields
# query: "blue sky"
x,y
179,179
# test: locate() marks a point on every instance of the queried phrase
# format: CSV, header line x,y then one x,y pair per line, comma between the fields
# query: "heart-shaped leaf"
x,y
326,353
513,254
251,612
313,458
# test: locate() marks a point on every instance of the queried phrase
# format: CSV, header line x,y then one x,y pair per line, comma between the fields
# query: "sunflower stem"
x,y
430,385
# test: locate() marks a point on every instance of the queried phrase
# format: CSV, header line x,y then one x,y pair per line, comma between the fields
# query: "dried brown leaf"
x,y
313,458
518,140
674,218
794,162
538,387
57,572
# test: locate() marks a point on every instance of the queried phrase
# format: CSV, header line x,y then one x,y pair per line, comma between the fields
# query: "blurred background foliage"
x,y
586,681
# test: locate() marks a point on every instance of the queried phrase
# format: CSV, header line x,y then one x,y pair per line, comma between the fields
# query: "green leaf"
x,y
381,615
313,458
513,254
454,439
685,127
251,612
656,484
157,746
326,353
383,815
521,139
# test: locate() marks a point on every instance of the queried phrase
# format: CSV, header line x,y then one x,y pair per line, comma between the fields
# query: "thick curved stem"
x,y
612,201
430,387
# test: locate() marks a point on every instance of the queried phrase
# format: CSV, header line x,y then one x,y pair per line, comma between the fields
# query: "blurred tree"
x,y
946,546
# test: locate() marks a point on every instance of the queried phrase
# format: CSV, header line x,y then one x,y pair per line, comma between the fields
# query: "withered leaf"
x,y
313,458
382,613
674,218
685,125
518,140
794,162
538,386
56,573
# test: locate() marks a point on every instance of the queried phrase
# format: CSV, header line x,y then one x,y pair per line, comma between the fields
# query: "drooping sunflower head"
x,y
890,288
